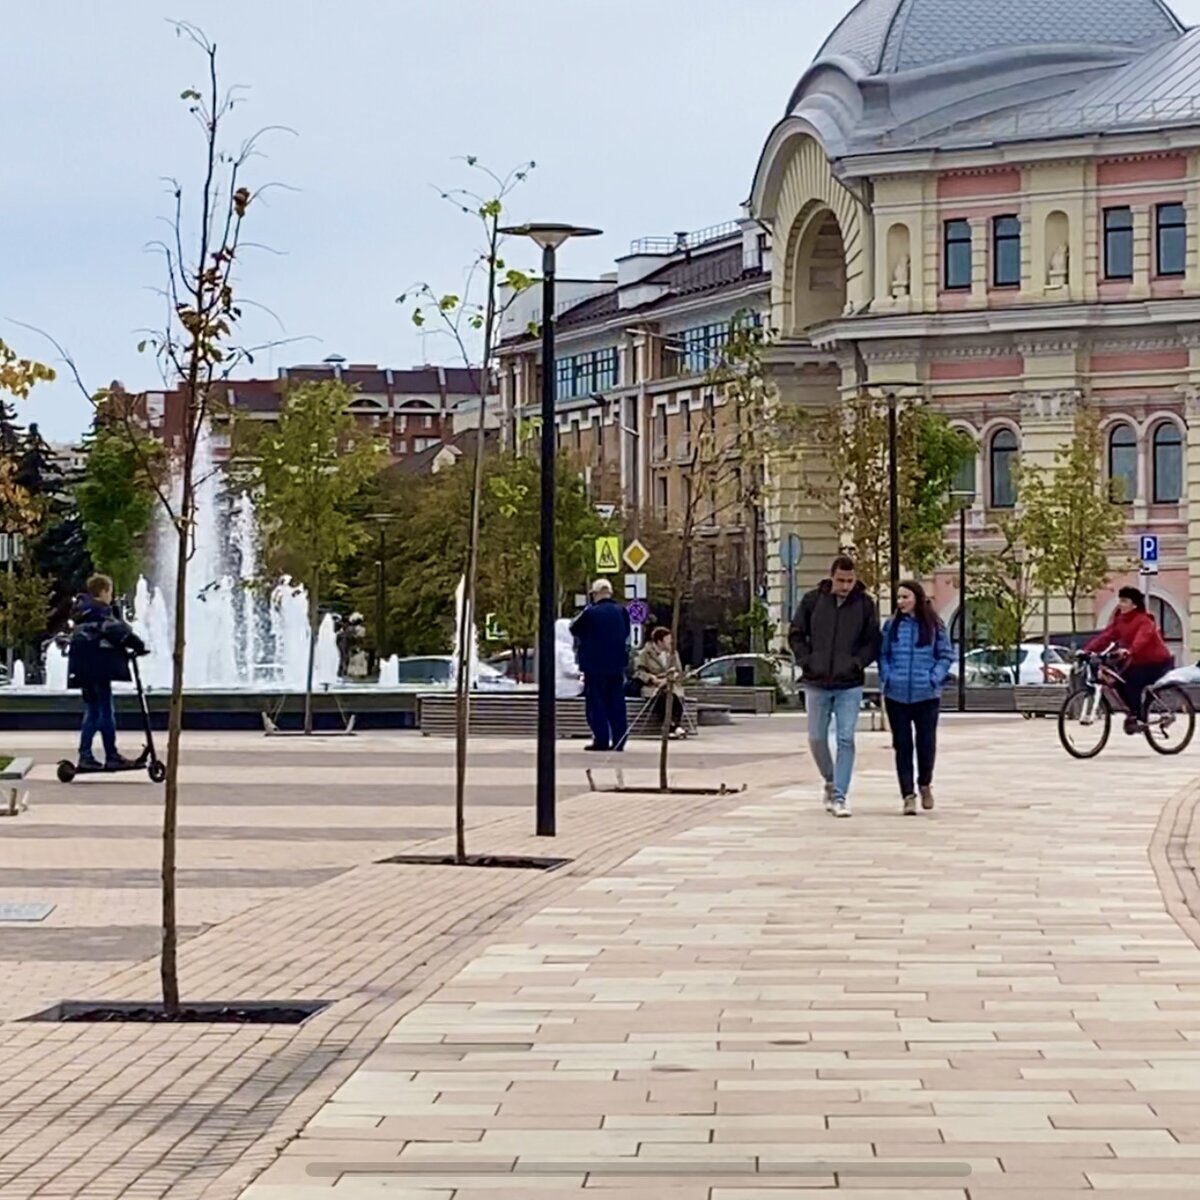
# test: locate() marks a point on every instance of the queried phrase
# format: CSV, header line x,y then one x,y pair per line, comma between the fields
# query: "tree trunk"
x,y
314,612
168,963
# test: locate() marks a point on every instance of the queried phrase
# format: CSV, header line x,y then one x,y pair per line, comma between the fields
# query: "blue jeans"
x,y
99,717
841,705
604,700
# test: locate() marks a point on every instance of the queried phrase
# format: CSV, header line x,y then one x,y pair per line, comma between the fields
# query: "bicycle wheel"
x,y
1084,723
1170,720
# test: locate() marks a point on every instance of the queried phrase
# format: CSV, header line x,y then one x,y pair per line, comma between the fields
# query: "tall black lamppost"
x,y
965,500
549,238
893,496
381,519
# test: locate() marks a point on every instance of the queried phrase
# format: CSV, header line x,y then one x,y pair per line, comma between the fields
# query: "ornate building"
x,y
995,206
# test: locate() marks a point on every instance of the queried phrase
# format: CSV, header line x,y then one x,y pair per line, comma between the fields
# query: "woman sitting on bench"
x,y
659,670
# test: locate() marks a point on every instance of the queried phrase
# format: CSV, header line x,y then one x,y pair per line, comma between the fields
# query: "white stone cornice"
x,y
1031,345
1137,343
1060,405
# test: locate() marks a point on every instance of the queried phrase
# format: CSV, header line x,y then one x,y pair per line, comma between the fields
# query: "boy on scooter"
x,y
101,645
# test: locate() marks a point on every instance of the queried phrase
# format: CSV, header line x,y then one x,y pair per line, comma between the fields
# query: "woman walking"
x,y
913,666
659,671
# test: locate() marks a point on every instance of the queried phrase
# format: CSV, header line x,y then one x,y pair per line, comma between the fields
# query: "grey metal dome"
x,y
888,37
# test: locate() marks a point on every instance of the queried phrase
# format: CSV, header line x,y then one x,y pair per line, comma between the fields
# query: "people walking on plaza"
x,y
659,670
1146,656
914,664
603,631
101,645
834,638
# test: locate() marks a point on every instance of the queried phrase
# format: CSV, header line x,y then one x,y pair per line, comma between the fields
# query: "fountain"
x,y
18,674
56,667
389,672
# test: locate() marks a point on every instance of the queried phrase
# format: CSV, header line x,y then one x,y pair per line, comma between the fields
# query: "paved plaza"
x,y
721,997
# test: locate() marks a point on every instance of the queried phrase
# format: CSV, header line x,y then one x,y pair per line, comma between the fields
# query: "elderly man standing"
x,y
603,630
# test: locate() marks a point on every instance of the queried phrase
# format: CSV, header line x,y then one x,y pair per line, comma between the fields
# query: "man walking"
x,y
834,637
603,630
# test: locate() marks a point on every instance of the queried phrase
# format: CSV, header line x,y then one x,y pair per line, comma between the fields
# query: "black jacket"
x,y
834,644
603,631
101,645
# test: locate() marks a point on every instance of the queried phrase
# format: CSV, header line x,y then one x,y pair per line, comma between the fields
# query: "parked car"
x,y
994,666
435,670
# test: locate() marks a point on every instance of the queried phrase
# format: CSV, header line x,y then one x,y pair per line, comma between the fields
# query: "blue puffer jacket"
x,y
910,673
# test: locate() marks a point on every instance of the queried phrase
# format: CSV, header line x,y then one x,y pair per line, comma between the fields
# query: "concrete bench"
x,y
514,714
758,700
14,800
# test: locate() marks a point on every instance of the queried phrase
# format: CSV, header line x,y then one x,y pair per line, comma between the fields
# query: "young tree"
x,y
853,437
311,466
1073,517
474,322
197,350
1004,583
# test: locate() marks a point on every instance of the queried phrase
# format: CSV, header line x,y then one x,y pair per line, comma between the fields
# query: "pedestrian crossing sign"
x,y
608,554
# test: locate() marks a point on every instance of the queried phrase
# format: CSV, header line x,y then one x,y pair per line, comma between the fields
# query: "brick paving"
x,y
999,1000
146,1111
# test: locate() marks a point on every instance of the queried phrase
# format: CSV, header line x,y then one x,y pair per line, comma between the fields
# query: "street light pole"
x,y
546,817
893,498
965,500
549,238
380,602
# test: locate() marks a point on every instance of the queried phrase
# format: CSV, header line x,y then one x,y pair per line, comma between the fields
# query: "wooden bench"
x,y
514,714
14,800
758,700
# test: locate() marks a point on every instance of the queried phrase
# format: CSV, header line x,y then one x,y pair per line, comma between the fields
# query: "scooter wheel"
x,y
66,771
158,771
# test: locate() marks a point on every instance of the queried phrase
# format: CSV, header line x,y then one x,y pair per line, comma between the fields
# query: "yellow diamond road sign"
x,y
608,554
636,556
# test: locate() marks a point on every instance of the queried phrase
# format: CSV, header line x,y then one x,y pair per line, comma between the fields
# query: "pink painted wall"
x,y
1163,168
1011,367
1148,360
986,183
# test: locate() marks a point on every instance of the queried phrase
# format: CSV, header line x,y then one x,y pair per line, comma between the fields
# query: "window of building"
x,y
1168,463
1006,251
425,443
578,431
1118,243
702,346
964,478
958,254
1169,624
1122,464
584,375
661,498
686,409
660,424
1172,239
1004,453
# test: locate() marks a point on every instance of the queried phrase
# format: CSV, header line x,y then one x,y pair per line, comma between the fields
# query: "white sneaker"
x,y
841,808
830,803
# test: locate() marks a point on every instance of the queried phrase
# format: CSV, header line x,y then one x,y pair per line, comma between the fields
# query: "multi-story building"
x,y
996,207
413,410
632,353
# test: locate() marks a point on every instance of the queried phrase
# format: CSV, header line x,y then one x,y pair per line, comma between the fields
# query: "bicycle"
x,y
1168,717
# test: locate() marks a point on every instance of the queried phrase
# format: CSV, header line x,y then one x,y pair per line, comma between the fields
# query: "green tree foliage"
x,y
312,468
853,437
1072,517
117,500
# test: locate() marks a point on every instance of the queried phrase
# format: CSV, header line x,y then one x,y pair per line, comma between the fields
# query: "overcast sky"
x,y
644,116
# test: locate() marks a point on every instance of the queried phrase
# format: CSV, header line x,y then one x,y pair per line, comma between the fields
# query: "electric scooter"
x,y
147,761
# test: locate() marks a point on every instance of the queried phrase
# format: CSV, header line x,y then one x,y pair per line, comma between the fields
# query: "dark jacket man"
x,y
835,638
603,630
101,644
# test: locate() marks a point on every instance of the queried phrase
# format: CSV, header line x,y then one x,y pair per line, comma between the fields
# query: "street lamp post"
x,y
549,238
893,497
381,519
965,500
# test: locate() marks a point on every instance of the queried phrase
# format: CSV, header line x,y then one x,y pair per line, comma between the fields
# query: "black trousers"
x,y
1137,680
914,726
660,710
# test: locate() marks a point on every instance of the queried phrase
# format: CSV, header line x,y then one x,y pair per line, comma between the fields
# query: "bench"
x,y
14,800
758,700
514,714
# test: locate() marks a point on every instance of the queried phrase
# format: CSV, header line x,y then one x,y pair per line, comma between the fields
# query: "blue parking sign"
x,y
1149,549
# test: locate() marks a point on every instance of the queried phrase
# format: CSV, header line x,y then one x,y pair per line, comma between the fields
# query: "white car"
x,y
995,665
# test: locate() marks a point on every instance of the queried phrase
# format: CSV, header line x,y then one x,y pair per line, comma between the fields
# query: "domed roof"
x,y
887,37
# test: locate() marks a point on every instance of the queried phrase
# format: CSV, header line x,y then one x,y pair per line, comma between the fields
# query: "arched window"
x,y
1168,463
1169,624
1003,464
964,481
1122,464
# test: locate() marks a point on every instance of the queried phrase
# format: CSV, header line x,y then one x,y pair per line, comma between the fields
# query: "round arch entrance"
x,y
818,272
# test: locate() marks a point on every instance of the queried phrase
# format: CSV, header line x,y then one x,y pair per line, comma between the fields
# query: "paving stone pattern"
x,y
117,1110
993,1002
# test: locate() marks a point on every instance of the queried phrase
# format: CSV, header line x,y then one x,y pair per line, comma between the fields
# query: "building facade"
x,y
632,353
413,411
995,207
